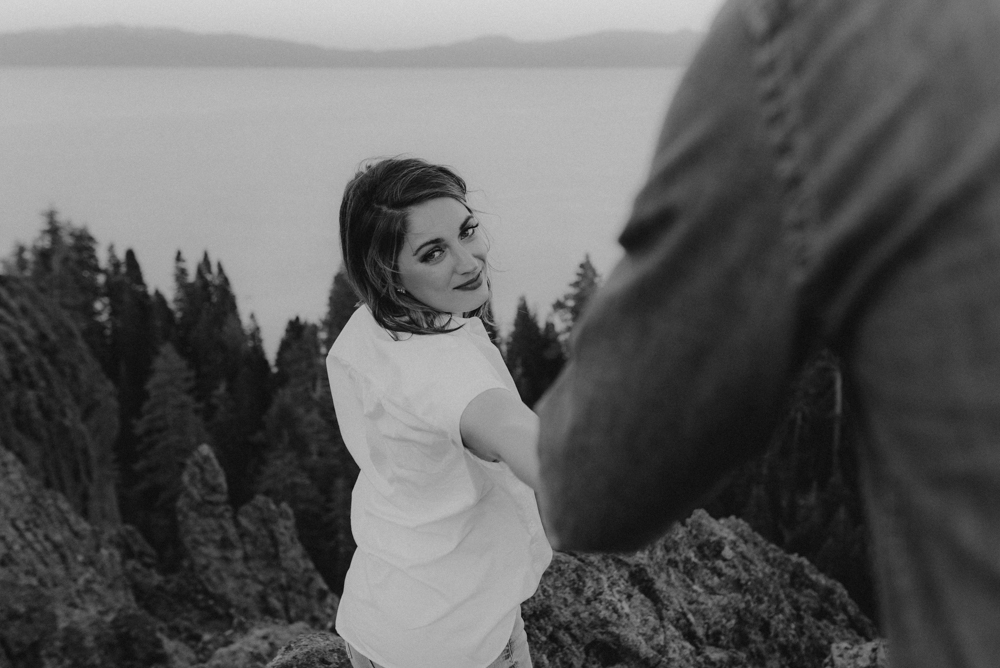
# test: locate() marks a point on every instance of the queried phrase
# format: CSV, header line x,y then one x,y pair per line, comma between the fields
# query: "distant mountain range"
x,y
119,46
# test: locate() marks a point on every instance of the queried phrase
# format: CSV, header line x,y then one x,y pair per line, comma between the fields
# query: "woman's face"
x,y
443,259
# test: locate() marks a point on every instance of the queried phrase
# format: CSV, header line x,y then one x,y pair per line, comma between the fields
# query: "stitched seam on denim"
x,y
769,21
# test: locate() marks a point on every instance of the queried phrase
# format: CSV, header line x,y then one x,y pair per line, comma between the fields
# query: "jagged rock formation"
x,y
45,544
65,602
208,532
73,597
254,561
709,594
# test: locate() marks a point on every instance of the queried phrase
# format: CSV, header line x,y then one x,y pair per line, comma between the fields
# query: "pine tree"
x,y
340,305
164,321
169,430
18,263
803,493
533,354
299,468
62,264
232,375
306,464
132,345
180,283
570,307
299,360
238,419
208,332
237,422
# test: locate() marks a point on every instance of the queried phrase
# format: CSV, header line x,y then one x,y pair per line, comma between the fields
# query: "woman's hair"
x,y
373,224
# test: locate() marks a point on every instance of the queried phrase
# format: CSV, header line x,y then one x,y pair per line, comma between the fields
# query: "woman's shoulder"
x,y
365,343
359,327
431,376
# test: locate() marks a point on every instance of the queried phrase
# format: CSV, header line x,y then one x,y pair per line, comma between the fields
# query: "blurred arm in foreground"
x,y
828,175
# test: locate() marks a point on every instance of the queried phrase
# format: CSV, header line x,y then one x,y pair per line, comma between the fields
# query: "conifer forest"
x,y
107,387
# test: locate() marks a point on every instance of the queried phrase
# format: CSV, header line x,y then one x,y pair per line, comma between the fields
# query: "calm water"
x,y
250,165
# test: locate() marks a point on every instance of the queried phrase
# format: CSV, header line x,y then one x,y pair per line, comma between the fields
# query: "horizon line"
x,y
486,36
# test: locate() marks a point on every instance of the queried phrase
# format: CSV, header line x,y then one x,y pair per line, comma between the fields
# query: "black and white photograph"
x,y
512,334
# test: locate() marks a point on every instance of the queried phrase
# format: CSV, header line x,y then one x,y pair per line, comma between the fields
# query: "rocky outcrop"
x,y
872,654
313,650
246,586
257,646
58,412
73,597
46,544
127,640
709,594
253,561
290,582
28,621
65,601
212,544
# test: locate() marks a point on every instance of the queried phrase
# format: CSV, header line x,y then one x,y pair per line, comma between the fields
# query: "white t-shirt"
x,y
449,545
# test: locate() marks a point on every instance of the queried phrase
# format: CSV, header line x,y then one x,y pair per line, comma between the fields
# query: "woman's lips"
x,y
473,284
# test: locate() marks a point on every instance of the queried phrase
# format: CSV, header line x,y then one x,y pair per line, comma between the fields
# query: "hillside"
x,y
119,46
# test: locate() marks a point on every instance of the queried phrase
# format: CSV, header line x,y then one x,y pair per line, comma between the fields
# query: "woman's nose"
x,y
467,262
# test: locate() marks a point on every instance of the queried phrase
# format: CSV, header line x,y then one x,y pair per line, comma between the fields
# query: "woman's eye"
x,y
469,231
432,255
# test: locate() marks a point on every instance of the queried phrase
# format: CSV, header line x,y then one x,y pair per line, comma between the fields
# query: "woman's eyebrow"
x,y
429,242
438,240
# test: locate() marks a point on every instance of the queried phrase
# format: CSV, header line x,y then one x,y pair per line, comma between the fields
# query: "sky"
x,y
369,24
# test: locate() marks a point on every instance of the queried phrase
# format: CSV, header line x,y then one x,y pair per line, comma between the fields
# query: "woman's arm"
x,y
496,425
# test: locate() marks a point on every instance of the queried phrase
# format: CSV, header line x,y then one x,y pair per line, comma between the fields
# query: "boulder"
x,y
252,561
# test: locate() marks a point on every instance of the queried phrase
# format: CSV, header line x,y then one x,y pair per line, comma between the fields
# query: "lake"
x,y
250,164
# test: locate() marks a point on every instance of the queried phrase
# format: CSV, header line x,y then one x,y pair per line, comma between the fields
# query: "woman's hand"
x,y
496,425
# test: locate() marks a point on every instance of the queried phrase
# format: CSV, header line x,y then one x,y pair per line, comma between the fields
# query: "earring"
x,y
401,291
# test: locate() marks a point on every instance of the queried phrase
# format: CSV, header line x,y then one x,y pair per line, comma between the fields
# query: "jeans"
x,y
828,175
515,653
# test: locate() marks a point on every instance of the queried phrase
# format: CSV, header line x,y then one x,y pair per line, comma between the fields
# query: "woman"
x,y
449,539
